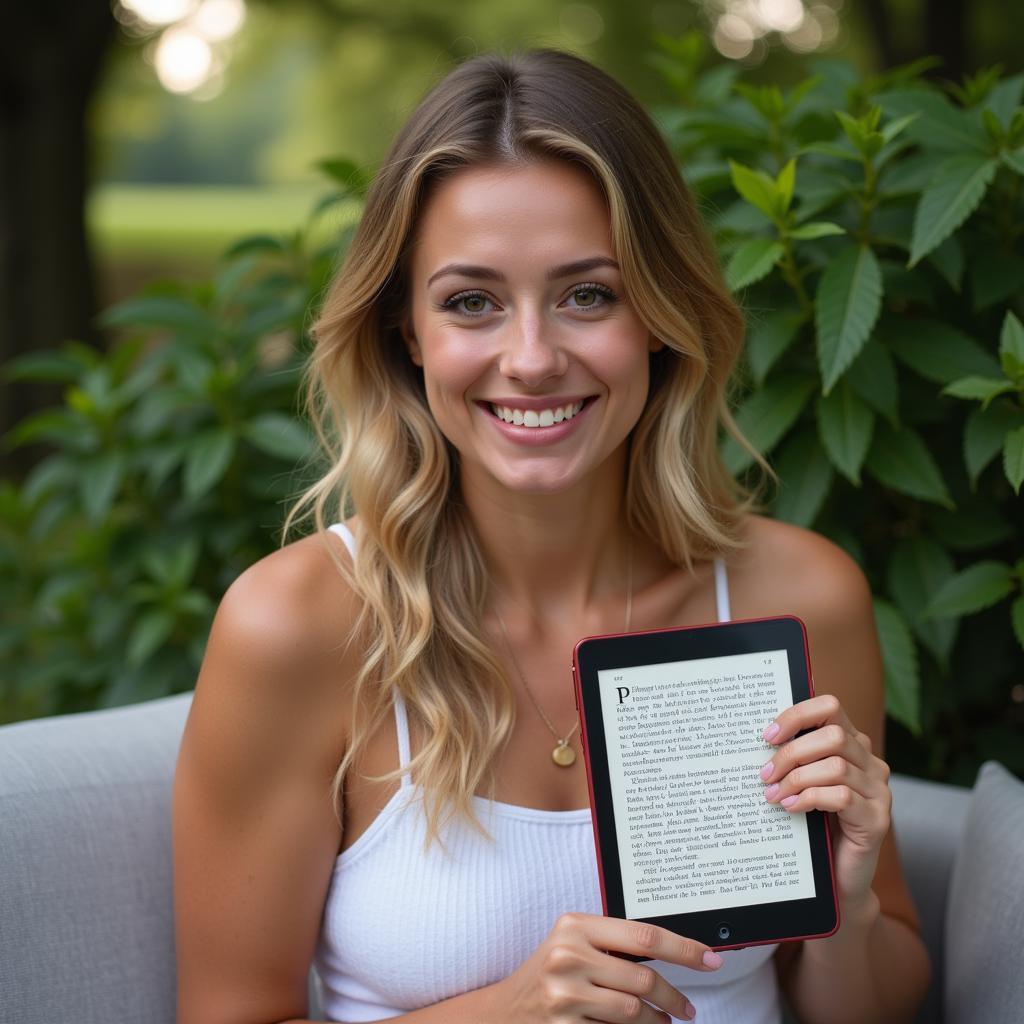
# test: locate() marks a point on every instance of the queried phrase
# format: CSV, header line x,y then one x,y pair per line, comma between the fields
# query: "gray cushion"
x,y
928,821
86,882
86,885
984,977
85,858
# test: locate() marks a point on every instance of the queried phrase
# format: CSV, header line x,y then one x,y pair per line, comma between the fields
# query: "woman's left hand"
x,y
831,768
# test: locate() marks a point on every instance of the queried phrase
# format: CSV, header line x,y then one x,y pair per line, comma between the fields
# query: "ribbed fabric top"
x,y
402,929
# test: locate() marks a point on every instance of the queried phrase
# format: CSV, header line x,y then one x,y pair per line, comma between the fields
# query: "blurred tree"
x,y
50,61
51,58
368,61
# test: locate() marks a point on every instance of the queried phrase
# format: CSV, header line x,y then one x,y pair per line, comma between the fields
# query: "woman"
x,y
521,368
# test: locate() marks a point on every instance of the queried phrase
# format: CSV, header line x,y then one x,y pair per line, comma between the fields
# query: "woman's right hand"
x,y
570,978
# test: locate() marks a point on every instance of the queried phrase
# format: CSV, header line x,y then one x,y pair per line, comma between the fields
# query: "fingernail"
x,y
691,1011
769,793
767,770
770,731
789,801
712,959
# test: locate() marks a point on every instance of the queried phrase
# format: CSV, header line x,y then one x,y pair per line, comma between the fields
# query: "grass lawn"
x,y
198,223
141,233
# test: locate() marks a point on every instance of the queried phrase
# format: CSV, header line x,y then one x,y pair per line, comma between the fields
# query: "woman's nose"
x,y
531,351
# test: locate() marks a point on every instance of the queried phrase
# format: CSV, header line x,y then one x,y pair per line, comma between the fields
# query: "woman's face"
x,y
503,323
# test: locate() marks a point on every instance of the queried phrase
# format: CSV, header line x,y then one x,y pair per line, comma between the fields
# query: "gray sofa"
x,y
86,922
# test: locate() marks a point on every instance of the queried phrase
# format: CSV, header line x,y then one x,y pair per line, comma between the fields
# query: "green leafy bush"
x,y
871,229
170,461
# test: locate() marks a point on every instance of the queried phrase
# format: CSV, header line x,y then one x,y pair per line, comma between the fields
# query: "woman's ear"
x,y
411,344
655,344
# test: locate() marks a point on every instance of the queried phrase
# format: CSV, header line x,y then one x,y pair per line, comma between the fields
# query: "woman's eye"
x,y
474,303
594,296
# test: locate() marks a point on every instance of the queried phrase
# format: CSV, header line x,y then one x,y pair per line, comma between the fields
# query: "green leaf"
x,y
948,259
757,188
231,277
62,426
993,127
893,128
752,261
958,186
975,525
51,473
278,435
1011,346
784,182
984,435
971,590
346,173
981,388
848,301
98,483
1014,160
939,125
901,460
841,150
160,311
873,376
917,569
182,563
149,633
805,476
766,416
936,351
207,460
1017,619
1013,458
845,425
42,366
856,132
816,229
769,338
255,244
899,658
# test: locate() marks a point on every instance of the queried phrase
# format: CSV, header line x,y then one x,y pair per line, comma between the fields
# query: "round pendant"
x,y
563,755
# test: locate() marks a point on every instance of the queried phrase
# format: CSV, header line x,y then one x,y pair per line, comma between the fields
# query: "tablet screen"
x,y
684,750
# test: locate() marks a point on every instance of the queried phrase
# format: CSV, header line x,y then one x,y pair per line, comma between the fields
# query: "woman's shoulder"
x,y
299,583
783,565
294,608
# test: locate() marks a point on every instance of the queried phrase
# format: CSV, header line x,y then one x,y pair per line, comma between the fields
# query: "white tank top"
x,y
402,929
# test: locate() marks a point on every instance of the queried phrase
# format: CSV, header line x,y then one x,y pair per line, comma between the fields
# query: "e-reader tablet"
x,y
671,728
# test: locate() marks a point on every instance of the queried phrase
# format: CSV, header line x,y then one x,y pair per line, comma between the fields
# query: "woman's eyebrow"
x,y
490,274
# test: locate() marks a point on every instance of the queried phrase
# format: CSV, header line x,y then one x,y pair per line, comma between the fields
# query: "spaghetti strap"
x,y
346,535
401,718
721,591
404,747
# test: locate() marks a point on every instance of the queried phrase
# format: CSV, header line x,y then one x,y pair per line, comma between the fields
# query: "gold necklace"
x,y
563,755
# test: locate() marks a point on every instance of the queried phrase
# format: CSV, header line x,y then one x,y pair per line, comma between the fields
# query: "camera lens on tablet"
x,y
724,931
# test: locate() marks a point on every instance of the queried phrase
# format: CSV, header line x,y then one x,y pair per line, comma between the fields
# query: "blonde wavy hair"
x,y
420,574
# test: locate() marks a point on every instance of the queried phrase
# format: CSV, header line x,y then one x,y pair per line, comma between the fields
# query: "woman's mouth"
x,y
536,419
538,426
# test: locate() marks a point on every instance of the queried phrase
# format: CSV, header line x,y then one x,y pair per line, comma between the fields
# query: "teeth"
x,y
533,418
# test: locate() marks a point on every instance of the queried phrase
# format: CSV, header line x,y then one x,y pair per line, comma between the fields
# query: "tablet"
x,y
671,729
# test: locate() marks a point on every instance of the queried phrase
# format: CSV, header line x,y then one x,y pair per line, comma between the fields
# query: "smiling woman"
x,y
520,374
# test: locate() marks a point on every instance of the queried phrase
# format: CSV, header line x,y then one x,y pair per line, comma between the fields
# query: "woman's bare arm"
x,y
254,836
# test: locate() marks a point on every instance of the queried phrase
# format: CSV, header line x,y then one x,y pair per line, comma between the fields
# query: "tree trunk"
x,y
50,58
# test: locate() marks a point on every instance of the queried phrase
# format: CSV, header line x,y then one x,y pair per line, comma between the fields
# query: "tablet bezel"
x,y
750,924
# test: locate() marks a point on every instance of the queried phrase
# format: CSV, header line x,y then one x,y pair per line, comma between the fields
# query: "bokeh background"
x,y
177,177
139,137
